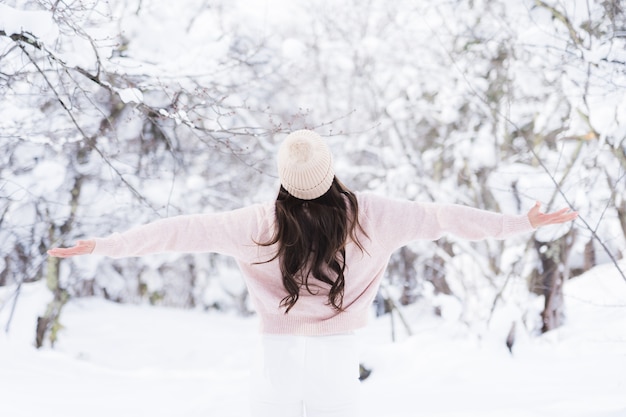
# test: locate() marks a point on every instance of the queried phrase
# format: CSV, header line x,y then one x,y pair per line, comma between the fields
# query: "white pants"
x,y
312,376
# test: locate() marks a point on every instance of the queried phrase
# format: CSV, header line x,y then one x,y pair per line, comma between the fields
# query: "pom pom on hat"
x,y
305,165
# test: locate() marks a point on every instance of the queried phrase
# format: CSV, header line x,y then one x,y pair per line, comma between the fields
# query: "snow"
x,y
132,360
37,23
130,95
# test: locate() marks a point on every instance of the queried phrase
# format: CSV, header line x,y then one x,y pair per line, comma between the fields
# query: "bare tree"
x,y
104,127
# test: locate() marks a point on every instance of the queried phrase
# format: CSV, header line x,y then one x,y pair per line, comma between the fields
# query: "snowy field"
x,y
127,361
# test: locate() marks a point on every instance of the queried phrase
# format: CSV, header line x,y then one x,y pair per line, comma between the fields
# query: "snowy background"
x,y
115,113
129,361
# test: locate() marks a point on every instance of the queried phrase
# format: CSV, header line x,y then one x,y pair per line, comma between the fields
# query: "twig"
x,y
16,295
563,19
395,307
564,196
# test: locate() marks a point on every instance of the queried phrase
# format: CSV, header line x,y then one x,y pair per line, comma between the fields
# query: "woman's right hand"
x,y
82,247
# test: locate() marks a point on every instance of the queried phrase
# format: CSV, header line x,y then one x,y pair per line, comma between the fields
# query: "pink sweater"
x,y
389,224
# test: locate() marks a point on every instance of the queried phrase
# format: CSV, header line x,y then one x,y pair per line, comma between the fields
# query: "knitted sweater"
x,y
389,224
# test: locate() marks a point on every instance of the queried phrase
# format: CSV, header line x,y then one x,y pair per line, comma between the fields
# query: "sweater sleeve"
x,y
229,233
399,222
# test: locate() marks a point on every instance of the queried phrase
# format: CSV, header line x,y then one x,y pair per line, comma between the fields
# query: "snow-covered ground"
x,y
124,360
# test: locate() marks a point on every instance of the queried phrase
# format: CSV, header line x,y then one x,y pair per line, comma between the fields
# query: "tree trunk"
x,y
49,324
550,279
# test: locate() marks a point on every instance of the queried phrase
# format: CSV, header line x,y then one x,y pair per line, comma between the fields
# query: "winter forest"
x,y
115,113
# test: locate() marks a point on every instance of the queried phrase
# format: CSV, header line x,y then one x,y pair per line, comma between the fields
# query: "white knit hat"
x,y
305,165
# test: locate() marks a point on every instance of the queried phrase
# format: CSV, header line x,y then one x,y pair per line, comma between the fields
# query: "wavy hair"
x,y
312,236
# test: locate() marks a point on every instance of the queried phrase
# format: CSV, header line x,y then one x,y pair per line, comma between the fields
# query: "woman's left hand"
x,y
83,247
538,219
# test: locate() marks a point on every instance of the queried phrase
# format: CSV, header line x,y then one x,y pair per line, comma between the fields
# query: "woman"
x,y
312,261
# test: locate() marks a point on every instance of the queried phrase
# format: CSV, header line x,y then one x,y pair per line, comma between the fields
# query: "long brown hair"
x,y
311,236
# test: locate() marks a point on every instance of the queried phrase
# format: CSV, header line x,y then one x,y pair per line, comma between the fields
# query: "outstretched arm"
x,y
538,219
82,247
230,233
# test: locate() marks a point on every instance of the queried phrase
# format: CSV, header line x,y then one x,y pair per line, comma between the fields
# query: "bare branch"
x,y
563,19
